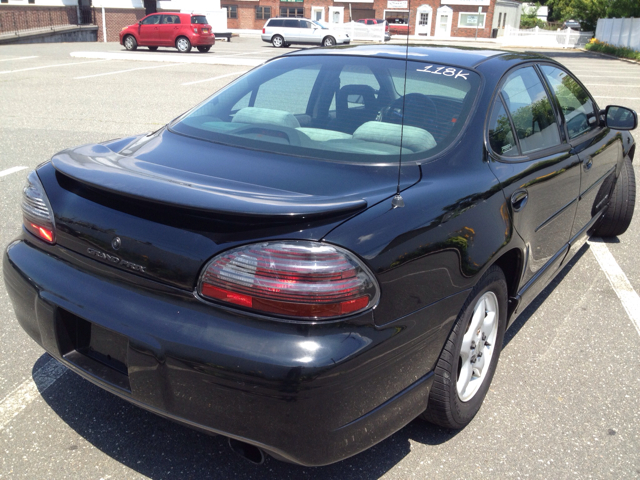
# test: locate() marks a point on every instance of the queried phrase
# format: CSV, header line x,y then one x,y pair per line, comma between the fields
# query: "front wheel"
x,y
277,41
617,217
468,361
183,45
204,49
130,42
328,41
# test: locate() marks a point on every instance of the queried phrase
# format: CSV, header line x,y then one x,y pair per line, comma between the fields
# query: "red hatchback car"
x,y
180,30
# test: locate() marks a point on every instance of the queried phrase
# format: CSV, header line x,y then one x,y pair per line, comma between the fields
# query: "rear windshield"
x,y
199,19
339,108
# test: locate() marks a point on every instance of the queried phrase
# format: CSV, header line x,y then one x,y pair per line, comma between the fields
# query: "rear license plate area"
x,y
205,30
95,349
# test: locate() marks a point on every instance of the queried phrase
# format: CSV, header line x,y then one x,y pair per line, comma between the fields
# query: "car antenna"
x,y
398,201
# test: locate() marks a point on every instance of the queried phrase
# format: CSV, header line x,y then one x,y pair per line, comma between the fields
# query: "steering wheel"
x,y
419,111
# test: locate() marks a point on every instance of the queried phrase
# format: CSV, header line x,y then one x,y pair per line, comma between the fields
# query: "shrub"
x,y
597,46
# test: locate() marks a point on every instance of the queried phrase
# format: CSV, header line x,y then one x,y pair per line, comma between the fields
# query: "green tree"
x,y
529,17
623,9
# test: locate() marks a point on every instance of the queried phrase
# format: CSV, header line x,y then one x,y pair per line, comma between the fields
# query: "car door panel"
x,y
538,172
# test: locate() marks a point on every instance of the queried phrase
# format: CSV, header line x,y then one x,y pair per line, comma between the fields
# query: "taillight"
x,y
36,210
263,30
195,29
299,279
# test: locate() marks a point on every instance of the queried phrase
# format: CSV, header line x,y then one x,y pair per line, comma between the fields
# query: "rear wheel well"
x,y
511,265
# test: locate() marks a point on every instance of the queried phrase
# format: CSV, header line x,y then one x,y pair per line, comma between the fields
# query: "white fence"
x,y
538,37
621,32
360,31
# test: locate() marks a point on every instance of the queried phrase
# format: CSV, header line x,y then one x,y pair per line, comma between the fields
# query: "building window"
x,y
504,20
291,12
499,19
263,13
232,10
471,20
287,1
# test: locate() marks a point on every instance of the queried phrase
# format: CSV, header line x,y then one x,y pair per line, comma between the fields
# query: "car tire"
x,y
153,49
618,215
130,42
204,49
328,41
277,41
468,360
183,44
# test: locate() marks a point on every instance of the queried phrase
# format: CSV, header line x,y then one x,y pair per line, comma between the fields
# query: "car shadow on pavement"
x,y
542,297
158,448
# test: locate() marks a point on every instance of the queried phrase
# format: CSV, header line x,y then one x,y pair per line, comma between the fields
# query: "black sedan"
x,y
327,248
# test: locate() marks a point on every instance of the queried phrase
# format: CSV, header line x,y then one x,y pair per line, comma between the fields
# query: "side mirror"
x,y
620,118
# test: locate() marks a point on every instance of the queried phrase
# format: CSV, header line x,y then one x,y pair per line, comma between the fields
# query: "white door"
x,y
423,20
443,22
317,13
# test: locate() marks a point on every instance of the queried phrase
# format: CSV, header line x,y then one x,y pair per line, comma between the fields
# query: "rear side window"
x,y
291,24
577,107
530,110
276,23
199,19
170,19
501,136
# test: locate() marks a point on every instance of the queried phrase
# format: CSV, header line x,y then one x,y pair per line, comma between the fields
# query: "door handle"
x,y
519,199
588,164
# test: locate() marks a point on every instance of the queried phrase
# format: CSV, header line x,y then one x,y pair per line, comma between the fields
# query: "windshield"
x,y
319,24
339,108
199,19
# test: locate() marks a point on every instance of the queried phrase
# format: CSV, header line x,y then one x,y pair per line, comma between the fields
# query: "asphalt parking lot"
x,y
564,402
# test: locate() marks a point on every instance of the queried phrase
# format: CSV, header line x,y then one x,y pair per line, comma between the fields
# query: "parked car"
x,y
377,21
398,26
331,246
282,32
180,30
572,24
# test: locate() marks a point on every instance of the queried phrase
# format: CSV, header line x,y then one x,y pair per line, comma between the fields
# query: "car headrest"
x,y
413,138
266,116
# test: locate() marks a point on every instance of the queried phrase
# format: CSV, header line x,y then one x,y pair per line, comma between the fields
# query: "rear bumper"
x,y
309,394
202,40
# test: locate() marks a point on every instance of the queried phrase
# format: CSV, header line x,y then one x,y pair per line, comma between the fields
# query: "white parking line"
x,y
125,71
609,85
618,280
18,58
49,66
11,170
29,390
214,78
617,98
210,59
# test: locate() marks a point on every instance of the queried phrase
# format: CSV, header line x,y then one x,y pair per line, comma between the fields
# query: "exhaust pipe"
x,y
247,451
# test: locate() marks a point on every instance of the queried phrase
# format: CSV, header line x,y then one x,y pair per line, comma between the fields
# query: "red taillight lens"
x,y
36,211
263,30
291,278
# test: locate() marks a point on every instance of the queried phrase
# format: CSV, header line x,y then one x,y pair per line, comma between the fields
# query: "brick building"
x,y
435,18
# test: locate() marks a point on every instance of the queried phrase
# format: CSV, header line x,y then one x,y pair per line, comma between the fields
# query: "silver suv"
x,y
282,32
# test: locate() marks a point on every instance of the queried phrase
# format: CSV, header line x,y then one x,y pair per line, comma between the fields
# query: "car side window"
x,y
291,24
170,19
305,24
531,111
152,20
501,137
576,105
